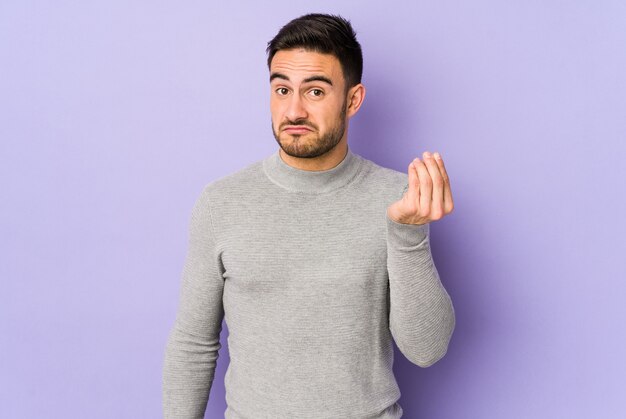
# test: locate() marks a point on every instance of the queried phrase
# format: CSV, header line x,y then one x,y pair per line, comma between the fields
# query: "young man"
x,y
316,257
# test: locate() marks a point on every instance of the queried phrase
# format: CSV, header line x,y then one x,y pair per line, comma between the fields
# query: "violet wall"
x,y
114,115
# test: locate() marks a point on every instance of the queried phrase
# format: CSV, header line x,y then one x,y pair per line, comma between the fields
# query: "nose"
x,y
296,109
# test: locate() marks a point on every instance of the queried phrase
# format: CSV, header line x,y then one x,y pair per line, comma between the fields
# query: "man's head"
x,y
315,65
326,34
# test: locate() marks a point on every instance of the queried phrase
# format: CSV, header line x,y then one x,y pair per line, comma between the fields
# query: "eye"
x,y
317,92
282,91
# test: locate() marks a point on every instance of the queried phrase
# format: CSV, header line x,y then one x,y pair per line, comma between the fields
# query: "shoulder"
x,y
384,178
232,185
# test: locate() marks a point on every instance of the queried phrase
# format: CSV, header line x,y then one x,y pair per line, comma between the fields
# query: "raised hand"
x,y
428,197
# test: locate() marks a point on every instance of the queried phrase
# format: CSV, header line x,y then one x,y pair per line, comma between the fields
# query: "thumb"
x,y
414,185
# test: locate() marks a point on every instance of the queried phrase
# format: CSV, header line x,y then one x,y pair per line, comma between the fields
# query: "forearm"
x,y
421,317
188,372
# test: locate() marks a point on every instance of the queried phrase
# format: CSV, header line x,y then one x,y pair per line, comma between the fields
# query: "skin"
x,y
429,197
308,96
311,108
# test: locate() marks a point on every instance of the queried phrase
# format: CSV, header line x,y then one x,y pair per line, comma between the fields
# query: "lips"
x,y
296,129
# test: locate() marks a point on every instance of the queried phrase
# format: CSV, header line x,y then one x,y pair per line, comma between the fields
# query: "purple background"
x,y
114,115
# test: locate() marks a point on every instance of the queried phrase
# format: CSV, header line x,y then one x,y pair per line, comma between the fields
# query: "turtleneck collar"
x,y
299,180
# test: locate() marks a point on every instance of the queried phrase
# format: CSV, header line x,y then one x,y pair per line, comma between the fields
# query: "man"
x,y
316,257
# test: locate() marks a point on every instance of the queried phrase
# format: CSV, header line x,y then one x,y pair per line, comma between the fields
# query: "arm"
x,y
421,317
192,348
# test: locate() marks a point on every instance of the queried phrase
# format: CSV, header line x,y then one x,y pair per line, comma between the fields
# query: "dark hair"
x,y
326,34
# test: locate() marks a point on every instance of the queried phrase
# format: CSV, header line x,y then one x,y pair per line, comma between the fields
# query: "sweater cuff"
x,y
406,235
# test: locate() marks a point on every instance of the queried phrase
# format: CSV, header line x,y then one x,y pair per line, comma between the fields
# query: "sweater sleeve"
x,y
192,347
421,316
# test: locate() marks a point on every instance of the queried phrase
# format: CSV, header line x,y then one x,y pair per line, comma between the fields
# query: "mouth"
x,y
297,129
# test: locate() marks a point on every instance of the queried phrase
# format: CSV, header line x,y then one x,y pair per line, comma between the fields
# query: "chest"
x,y
308,249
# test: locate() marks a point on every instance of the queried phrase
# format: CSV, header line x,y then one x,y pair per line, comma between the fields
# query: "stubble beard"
x,y
316,147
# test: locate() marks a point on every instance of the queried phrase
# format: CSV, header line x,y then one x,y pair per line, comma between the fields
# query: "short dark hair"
x,y
326,34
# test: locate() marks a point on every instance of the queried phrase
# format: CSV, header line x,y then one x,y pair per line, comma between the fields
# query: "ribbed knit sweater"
x,y
314,280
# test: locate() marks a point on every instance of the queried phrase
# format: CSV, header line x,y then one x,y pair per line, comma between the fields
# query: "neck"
x,y
297,179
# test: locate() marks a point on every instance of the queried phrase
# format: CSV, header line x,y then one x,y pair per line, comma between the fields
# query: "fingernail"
x,y
427,154
437,155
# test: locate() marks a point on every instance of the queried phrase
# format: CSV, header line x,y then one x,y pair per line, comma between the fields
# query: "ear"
x,y
356,95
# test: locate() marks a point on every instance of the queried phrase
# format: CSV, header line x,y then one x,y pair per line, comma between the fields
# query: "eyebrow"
x,y
307,80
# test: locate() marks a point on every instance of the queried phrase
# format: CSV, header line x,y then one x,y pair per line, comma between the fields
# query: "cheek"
x,y
330,116
276,110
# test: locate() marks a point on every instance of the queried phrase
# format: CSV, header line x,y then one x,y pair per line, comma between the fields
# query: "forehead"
x,y
301,63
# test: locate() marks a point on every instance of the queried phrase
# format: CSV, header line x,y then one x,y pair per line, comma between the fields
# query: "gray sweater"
x,y
313,280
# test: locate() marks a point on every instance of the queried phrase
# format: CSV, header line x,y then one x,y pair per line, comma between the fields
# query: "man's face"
x,y
308,102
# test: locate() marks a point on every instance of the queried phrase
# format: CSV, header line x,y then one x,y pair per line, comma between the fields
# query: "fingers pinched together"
x,y
429,188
